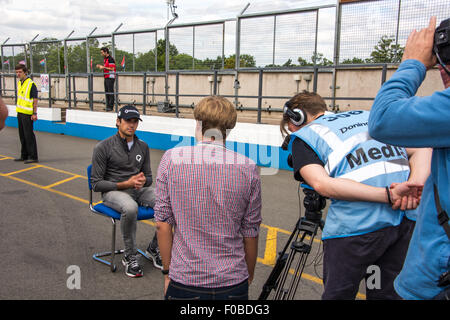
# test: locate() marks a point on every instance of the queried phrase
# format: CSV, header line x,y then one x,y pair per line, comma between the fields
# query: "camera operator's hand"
x,y
406,195
419,45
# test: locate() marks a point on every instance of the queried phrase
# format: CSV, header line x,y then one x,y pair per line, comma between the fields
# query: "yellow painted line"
x,y
6,158
47,189
19,171
150,223
63,171
361,296
270,253
61,182
271,238
275,228
308,277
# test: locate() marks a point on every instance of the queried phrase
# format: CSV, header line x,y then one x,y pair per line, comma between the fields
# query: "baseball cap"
x,y
128,112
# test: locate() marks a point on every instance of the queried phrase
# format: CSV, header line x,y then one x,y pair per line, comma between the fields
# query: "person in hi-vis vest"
x,y
370,185
26,107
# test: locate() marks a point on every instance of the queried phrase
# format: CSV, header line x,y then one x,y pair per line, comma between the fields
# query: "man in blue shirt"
x,y
396,110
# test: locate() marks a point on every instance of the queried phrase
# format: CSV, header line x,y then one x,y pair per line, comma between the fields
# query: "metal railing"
x,y
76,96
287,34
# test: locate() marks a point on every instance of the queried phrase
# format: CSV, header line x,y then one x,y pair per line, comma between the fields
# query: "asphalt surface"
x,y
49,234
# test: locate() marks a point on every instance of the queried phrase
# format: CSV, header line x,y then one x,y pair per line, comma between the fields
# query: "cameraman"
x,y
395,111
366,181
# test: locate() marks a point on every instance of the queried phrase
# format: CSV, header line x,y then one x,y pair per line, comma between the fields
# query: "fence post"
x,y
144,94
69,93
316,73
74,93
215,83
383,74
116,94
15,88
90,89
177,93
49,91
260,89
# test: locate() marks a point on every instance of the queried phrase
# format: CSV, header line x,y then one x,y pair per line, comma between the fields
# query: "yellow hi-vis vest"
x,y
24,102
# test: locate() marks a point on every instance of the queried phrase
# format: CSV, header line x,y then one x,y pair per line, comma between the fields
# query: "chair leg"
x,y
111,253
113,245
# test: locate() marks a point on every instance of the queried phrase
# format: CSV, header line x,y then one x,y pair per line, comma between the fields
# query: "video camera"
x,y
441,46
285,146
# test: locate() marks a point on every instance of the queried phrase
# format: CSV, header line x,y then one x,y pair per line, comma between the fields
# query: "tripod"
x,y
305,226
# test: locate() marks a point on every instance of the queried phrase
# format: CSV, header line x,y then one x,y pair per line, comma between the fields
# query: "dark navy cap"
x,y
129,112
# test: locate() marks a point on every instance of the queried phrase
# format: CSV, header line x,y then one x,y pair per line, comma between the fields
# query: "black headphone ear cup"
x,y
298,117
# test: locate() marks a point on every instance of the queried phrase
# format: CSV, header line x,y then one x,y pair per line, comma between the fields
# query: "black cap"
x,y
128,112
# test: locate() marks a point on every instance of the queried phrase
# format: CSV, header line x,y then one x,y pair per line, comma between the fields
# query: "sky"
x,y
57,18
364,24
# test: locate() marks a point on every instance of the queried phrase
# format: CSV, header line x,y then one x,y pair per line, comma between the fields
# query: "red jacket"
x,y
109,62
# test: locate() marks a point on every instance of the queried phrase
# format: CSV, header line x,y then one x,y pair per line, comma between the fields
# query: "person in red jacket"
x,y
109,71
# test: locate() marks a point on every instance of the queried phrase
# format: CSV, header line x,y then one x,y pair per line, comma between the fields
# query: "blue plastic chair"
x,y
144,213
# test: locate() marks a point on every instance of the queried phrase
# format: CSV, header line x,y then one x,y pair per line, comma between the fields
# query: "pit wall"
x,y
260,142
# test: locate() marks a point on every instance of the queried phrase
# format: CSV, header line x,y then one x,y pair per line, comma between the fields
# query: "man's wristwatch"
x,y
165,272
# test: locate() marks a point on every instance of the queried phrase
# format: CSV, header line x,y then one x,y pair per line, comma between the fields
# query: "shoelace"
x,y
132,261
158,254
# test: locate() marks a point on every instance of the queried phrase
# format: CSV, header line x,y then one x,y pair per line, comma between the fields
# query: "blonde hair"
x,y
215,112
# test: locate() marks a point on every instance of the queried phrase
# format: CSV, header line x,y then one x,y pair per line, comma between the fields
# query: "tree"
x,y
319,59
386,51
245,61
355,60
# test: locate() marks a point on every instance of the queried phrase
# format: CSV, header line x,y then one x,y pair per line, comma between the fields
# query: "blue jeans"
x,y
178,291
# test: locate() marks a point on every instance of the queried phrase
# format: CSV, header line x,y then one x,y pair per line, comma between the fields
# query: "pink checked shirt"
x,y
212,198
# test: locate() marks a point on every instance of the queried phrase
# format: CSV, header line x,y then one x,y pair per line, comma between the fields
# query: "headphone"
x,y
296,116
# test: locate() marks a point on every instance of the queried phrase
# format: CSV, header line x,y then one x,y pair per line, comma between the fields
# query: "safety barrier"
x,y
259,142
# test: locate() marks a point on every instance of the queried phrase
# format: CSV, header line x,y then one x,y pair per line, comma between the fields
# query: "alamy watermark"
x,y
265,156
373,280
74,279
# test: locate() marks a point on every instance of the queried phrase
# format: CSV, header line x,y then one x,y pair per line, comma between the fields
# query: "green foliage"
x,y
386,51
354,60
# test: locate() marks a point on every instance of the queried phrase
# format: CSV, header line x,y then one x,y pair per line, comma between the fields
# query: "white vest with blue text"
x,y
343,144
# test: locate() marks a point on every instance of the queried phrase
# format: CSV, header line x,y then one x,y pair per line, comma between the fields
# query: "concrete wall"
x,y
259,142
351,82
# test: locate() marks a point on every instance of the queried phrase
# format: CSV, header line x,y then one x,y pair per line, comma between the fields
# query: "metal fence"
x,y
312,40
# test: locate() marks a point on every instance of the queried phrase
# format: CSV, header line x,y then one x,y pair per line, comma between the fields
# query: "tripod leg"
x,y
281,291
272,281
273,277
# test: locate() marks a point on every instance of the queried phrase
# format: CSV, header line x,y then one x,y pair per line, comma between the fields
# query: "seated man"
x,y
121,172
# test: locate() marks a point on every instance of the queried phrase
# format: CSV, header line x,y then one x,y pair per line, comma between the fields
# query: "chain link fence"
x,y
376,31
368,32
241,58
